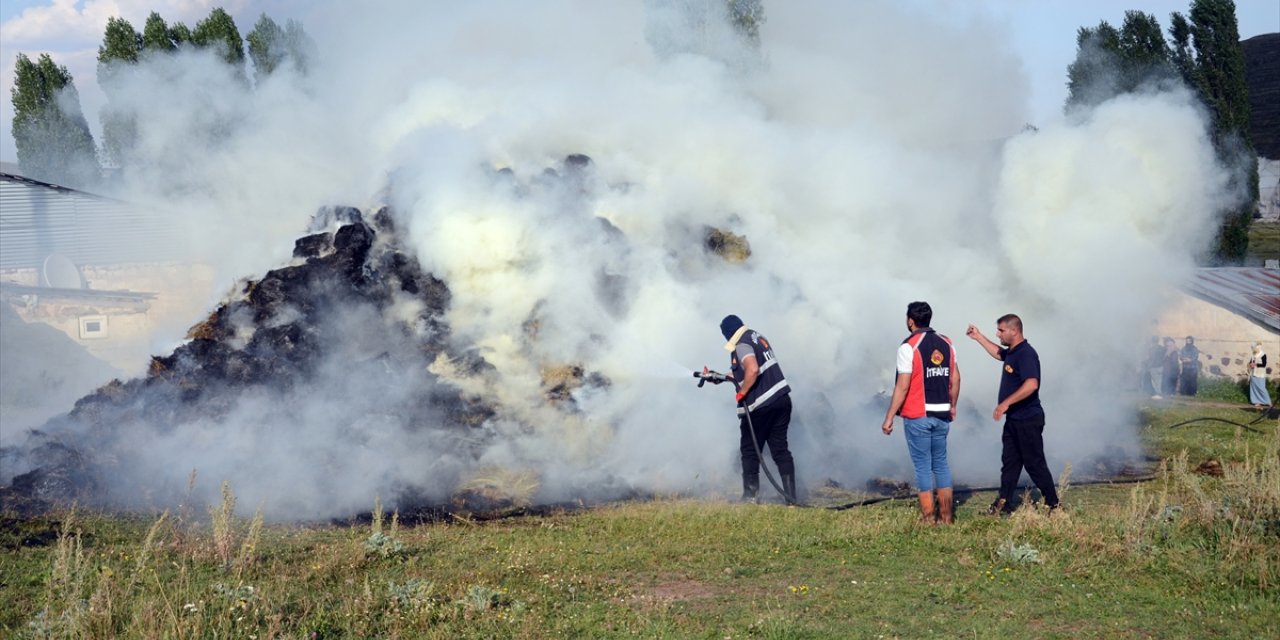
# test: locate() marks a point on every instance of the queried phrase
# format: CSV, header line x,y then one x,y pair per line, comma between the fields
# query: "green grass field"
x,y
1264,241
1192,554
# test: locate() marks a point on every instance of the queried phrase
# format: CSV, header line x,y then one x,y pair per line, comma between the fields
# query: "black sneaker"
x,y
997,508
1057,508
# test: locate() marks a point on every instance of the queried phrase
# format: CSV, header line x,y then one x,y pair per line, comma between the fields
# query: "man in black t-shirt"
x,y
1019,404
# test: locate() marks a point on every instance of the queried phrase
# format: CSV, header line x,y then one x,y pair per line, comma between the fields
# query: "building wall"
x,y
1269,189
1225,339
131,332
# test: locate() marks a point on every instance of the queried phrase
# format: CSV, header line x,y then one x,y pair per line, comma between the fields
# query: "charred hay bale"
x,y
460,410
726,244
354,240
108,399
384,220
62,475
219,325
282,352
562,380
350,250
413,280
313,246
267,296
329,215
888,487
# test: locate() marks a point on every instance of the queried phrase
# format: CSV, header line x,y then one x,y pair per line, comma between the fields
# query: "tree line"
x,y
1203,53
50,132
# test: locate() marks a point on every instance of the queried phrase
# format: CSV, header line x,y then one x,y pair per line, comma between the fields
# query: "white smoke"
x,y
871,155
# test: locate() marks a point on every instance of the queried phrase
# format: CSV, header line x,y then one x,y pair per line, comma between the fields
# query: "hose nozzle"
x,y
707,375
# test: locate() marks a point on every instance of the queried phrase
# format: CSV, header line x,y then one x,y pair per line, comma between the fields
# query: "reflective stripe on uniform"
x,y
764,397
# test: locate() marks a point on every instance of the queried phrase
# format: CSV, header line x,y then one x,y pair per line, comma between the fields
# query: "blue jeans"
x,y
927,442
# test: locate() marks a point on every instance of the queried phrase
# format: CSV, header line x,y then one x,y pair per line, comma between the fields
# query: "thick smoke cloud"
x,y
871,155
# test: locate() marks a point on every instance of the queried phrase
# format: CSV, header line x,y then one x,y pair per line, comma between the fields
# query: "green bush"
x,y
1229,389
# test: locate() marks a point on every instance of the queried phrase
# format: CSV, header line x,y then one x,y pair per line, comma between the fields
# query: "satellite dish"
x,y
61,273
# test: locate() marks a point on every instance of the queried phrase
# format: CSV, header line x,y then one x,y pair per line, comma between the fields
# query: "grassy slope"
x,y
1178,557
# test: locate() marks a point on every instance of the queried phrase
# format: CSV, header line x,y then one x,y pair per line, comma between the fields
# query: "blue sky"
x,y
1043,34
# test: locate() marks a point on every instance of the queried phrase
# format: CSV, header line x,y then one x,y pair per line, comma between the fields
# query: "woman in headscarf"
x,y
1258,378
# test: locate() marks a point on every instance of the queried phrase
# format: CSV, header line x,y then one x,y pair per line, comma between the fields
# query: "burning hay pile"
x,y
347,345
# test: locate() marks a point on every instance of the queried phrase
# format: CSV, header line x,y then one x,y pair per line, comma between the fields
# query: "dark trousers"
x,y
1023,442
770,424
1188,382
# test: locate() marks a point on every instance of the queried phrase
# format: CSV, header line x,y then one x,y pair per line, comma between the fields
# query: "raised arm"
x,y
992,348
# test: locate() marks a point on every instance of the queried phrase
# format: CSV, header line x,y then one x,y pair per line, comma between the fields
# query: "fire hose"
x,y
714,377
1248,427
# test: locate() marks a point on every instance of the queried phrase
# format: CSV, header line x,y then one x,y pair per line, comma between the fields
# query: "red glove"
x,y
739,396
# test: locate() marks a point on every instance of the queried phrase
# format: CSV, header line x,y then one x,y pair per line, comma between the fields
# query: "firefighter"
x,y
764,406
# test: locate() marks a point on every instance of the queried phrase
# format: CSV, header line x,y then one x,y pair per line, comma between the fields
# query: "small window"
x,y
92,327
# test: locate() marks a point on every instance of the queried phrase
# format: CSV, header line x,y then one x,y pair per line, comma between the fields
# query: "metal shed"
x,y
38,219
1252,292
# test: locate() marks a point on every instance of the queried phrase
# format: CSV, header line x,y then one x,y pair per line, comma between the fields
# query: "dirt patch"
x,y
682,590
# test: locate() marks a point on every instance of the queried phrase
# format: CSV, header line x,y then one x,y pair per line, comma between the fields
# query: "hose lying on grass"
x,y
1266,412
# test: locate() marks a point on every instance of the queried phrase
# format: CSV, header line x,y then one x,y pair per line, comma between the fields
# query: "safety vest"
x,y
770,383
929,392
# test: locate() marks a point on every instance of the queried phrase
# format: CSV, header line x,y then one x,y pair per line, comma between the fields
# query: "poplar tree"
x,y
219,32
1204,53
180,34
156,36
746,16
266,46
120,50
1112,61
51,135
1218,75
271,47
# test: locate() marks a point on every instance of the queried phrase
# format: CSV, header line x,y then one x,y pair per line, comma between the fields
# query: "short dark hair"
x,y
1012,320
920,313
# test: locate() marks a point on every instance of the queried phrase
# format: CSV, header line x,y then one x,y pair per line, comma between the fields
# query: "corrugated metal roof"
x,y
1252,292
38,219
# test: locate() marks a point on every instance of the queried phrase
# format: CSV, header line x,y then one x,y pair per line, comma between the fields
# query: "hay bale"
x,y
728,245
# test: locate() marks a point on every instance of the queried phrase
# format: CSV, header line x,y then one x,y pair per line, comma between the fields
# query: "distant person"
x,y
1171,367
925,394
1258,394
764,406
1189,357
1022,441
1152,369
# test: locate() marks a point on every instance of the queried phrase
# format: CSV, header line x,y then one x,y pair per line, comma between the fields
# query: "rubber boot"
x,y
789,488
750,488
945,514
926,507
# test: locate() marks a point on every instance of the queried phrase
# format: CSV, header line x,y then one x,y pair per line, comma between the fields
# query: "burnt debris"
x,y
278,335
